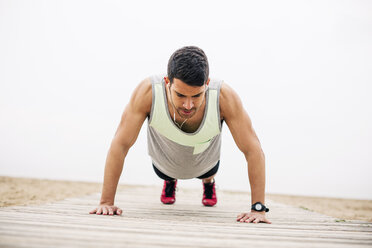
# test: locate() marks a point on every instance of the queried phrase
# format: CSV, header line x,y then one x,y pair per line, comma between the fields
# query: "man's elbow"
x,y
254,154
120,147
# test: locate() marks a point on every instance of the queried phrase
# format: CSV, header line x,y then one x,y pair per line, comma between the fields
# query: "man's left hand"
x,y
253,216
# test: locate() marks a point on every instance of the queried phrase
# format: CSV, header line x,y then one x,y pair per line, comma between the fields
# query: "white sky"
x,y
301,68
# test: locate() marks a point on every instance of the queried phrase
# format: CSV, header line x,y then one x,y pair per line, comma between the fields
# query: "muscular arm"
x,y
131,122
240,126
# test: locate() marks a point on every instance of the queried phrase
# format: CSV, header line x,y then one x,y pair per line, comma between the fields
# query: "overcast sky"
x,y
301,68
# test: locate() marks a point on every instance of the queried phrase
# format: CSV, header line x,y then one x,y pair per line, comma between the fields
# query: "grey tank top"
x,y
174,152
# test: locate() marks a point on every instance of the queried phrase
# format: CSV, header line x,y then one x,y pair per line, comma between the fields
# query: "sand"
x,y
343,209
27,191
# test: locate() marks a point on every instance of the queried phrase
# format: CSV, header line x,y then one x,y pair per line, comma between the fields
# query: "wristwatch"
x,y
259,207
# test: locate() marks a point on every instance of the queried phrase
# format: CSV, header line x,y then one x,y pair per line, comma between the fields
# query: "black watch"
x,y
259,207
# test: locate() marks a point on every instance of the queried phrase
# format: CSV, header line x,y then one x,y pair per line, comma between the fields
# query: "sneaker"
x,y
168,195
209,195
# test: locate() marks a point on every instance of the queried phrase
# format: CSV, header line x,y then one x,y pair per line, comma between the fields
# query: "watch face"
x,y
258,207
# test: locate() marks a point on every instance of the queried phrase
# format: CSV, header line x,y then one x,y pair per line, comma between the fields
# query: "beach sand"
x,y
27,191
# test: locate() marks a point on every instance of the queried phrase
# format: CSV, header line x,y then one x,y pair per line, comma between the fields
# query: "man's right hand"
x,y
106,210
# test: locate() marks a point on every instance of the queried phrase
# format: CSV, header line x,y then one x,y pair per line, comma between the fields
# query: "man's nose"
x,y
188,104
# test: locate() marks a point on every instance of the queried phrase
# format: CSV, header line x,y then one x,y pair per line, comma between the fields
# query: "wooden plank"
x,y
148,223
337,237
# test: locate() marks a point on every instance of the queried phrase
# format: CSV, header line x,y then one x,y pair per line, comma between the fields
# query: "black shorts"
x,y
205,175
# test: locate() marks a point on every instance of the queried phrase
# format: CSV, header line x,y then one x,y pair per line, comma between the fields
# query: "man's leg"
x,y
168,194
209,193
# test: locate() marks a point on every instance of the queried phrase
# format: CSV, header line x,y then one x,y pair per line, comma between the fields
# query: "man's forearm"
x,y
256,174
113,169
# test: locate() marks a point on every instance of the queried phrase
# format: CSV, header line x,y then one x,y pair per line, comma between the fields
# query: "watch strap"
x,y
264,208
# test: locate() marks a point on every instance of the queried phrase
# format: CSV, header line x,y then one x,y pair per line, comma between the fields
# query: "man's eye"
x,y
179,95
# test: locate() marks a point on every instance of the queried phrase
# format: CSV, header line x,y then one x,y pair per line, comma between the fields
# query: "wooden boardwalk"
x,y
148,223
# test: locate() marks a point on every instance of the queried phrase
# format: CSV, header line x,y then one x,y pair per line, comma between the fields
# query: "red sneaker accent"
x,y
209,195
168,195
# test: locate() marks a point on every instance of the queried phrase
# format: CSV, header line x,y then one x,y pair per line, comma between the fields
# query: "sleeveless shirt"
x,y
174,152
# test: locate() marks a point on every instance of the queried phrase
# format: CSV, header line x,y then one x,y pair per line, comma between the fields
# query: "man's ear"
x,y
167,81
207,83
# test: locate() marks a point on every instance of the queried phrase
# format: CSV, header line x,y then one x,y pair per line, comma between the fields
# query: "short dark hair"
x,y
189,64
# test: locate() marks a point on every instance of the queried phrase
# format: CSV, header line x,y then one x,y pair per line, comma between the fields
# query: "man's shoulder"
x,y
142,96
144,88
229,100
226,93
